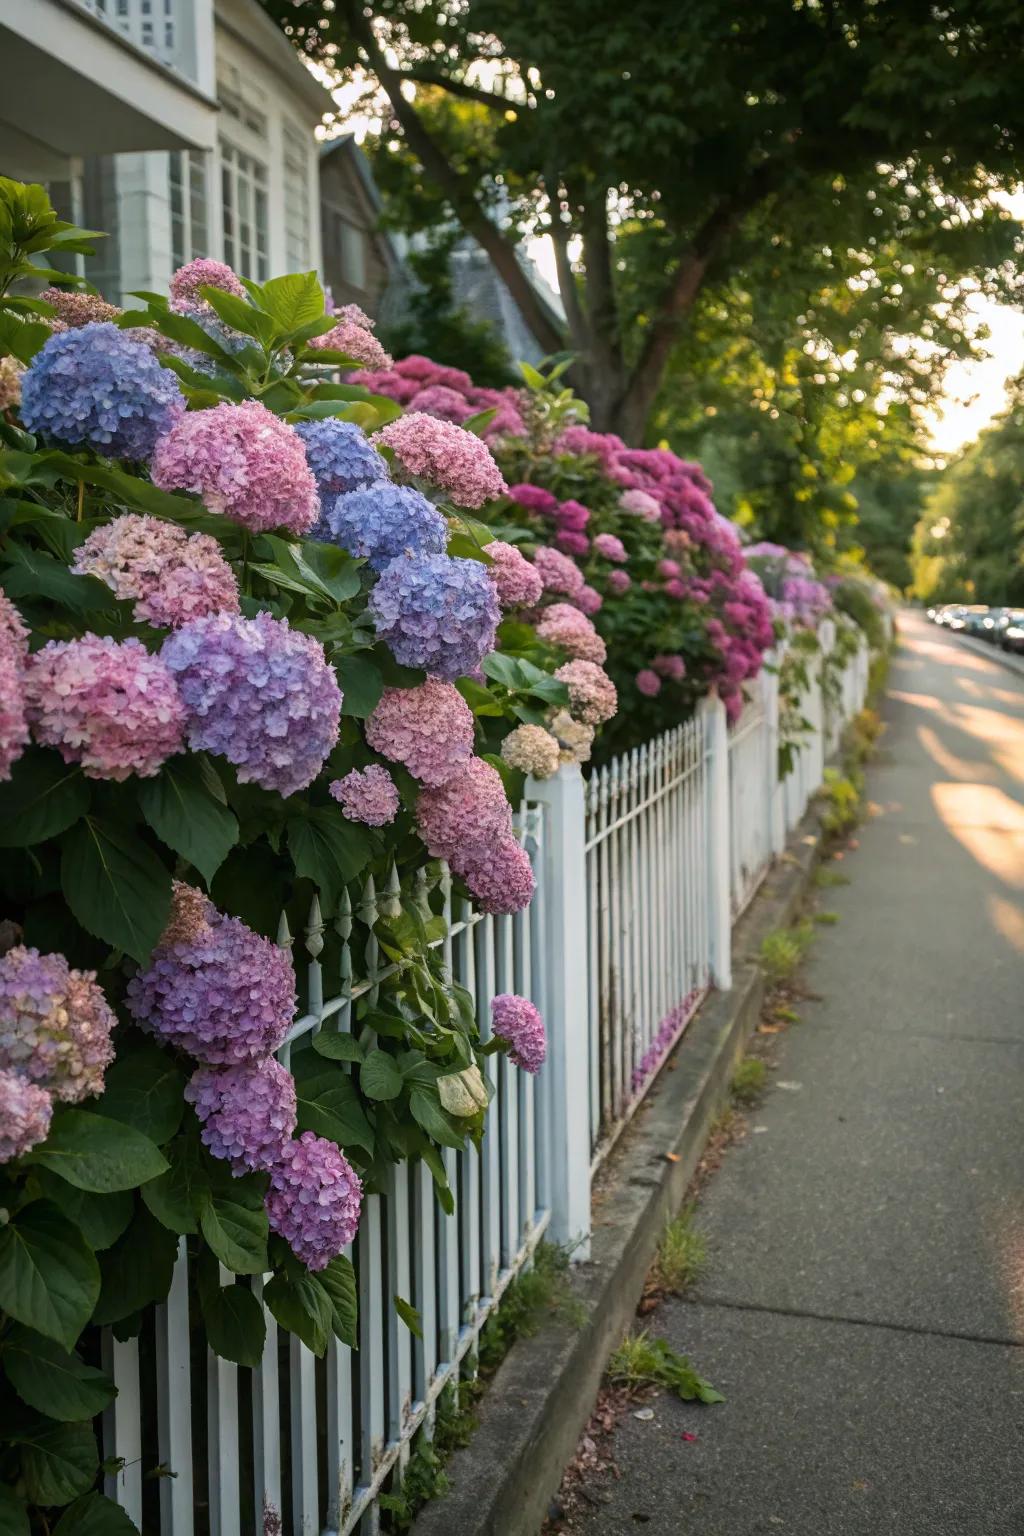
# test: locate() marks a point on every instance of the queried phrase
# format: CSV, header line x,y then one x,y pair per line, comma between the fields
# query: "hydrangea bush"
x,y
253,650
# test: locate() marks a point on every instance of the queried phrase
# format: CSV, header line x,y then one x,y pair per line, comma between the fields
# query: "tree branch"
x,y
458,189
567,286
422,74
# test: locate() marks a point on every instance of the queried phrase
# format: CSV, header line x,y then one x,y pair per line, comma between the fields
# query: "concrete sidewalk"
x,y
863,1308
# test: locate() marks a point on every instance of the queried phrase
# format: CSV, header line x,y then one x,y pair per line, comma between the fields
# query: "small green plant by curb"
x,y
783,949
642,1361
825,875
748,1080
840,798
826,919
682,1254
786,1016
536,1294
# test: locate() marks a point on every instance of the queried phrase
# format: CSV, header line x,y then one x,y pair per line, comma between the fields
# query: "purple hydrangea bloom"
x,y
96,385
385,521
341,458
55,1024
437,613
515,1020
314,1200
368,795
25,1112
224,994
247,1112
258,693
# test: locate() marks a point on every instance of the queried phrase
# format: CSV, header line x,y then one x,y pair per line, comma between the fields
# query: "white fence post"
x,y
563,873
716,739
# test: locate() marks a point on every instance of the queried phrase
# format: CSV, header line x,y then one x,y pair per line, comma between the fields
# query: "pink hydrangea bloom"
x,y
673,667
516,1021
518,584
314,1200
244,462
468,812
572,514
446,456
532,749
592,696
589,600
25,1112
75,308
500,878
429,728
571,543
106,704
534,498
648,683
55,1024
247,1112
558,572
619,582
669,568
640,504
202,273
356,341
13,655
610,548
446,404
565,626
173,576
368,795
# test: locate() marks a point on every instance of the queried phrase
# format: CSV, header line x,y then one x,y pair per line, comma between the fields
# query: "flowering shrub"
x,y
247,656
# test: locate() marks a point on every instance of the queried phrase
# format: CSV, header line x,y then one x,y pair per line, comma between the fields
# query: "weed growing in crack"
x,y
682,1254
642,1361
783,949
748,1080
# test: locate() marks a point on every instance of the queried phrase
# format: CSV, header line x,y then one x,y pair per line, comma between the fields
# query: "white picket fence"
x,y
640,872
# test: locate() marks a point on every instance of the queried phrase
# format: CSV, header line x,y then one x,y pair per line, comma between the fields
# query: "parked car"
x,y
976,617
1011,635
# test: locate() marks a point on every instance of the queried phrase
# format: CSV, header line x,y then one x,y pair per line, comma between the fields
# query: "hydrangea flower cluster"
x,y
575,738
592,695
444,455
436,612
11,374
797,596
640,504
532,749
534,498
429,729
107,704
566,626
558,573
55,1024
517,582
449,394
468,821
203,272
173,576
224,994
95,385
247,1112
609,547
384,521
244,462
13,656
76,308
355,340
259,693
518,1024
314,1200
341,458
619,582
648,682
25,1112
369,795
672,667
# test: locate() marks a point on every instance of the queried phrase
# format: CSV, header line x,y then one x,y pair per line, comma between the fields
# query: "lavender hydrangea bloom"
x,y
96,385
225,995
437,613
258,693
25,1112
385,521
342,459
368,795
55,1024
515,1020
314,1200
247,1112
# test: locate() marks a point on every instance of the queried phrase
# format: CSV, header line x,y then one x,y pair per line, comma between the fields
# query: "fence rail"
x,y
640,873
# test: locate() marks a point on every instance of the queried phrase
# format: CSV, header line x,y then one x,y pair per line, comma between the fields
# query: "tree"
x,y
827,125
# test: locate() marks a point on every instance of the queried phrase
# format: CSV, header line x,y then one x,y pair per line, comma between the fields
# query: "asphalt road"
x,y
863,1309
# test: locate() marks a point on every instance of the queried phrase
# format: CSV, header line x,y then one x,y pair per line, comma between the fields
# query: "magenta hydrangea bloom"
x,y
618,582
13,655
429,729
203,272
572,515
436,612
516,581
173,576
446,456
610,548
534,498
355,340
648,683
565,626
444,403
107,704
247,1112
55,1024
559,573
500,878
25,1112
589,600
592,696
516,1021
672,667
225,994
368,795
314,1200
245,463
259,693
571,543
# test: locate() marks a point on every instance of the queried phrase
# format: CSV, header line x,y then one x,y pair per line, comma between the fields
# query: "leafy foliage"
x,y
642,1361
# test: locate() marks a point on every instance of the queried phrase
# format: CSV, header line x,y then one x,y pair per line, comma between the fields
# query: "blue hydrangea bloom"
x,y
436,612
96,385
385,521
342,459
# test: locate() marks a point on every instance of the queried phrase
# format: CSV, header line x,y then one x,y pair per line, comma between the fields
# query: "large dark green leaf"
x,y
50,1379
235,1324
427,1111
137,1270
177,1196
329,1105
116,886
362,685
97,1154
237,1235
327,849
293,301
379,1077
35,574
302,1306
58,1461
95,1515
144,1089
339,1281
100,1218
49,1280
43,797
184,814
240,315
13,1513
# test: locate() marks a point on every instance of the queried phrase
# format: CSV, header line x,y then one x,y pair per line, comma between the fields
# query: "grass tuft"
x,y
783,949
748,1080
682,1254
826,919
826,875
641,1361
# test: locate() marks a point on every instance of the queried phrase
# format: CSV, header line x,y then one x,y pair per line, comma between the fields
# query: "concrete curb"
x,y
532,1414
